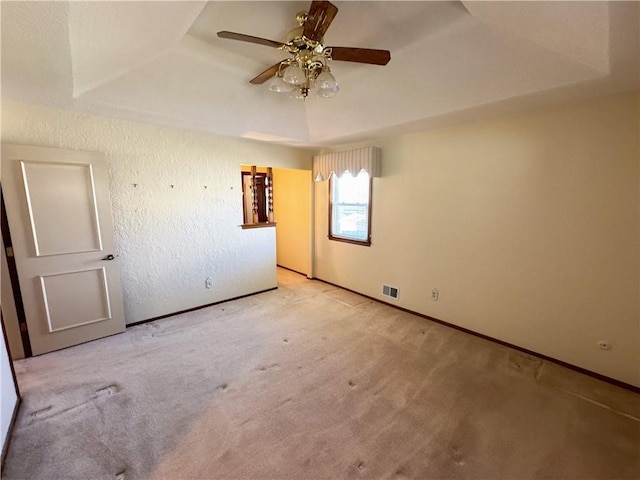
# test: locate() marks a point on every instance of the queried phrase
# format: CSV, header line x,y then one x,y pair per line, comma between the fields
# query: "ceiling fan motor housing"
x,y
295,34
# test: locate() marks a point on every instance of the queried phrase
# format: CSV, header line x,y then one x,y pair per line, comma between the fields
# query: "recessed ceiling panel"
x,y
577,30
108,39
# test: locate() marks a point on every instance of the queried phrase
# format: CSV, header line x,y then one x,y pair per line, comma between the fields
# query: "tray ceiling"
x,y
161,63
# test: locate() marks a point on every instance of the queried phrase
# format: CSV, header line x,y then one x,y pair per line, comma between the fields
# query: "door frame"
x,y
16,293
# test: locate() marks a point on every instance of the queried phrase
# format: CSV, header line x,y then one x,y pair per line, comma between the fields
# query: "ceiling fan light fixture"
x,y
278,85
300,93
307,67
328,92
326,81
294,75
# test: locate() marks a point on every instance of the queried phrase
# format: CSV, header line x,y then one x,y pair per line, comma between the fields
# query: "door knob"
x,y
109,257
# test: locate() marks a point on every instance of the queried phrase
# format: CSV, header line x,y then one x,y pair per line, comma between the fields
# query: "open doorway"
x,y
292,202
281,198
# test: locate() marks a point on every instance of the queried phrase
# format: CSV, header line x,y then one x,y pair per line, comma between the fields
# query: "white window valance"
x,y
367,159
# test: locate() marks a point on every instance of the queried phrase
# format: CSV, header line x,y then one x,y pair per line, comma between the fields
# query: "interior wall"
x,y
528,226
292,211
177,205
9,397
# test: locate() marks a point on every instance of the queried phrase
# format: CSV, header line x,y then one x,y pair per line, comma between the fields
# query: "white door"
x,y
59,215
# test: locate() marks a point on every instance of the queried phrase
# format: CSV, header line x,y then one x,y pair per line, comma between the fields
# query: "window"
x,y
350,208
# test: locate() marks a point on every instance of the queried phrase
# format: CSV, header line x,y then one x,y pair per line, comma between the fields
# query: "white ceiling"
x,y
161,63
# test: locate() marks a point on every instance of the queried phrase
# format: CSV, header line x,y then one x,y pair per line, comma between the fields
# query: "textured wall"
x,y
528,226
169,239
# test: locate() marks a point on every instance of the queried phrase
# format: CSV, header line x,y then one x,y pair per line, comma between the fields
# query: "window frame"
x,y
331,236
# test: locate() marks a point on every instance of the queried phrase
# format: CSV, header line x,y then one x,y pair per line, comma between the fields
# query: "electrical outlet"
x,y
604,345
434,294
208,282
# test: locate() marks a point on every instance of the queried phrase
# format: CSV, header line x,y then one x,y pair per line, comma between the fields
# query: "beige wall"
x,y
528,226
8,395
292,209
169,240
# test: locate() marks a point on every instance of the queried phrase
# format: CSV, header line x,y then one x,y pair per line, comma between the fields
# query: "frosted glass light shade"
x,y
326,81
276,84
328,92
293,75
297,94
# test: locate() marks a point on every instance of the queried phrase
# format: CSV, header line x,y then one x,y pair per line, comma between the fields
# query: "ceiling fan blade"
x,y
320,16
249,38
266,75
361,55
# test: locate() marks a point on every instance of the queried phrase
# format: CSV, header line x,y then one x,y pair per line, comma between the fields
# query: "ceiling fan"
x,y
308,65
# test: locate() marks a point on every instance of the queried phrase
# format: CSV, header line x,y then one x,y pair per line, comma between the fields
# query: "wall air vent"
x,y
389,291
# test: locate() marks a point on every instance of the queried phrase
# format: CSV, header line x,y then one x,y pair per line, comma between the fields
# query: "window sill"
x,y
364,243
246,226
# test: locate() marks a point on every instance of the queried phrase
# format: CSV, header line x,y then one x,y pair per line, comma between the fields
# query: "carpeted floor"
x,y
313,382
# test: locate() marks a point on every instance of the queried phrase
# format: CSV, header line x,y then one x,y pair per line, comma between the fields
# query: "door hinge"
x,y
9,251
23,327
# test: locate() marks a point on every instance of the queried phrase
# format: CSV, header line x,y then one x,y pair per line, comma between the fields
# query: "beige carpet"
x,y
309,382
